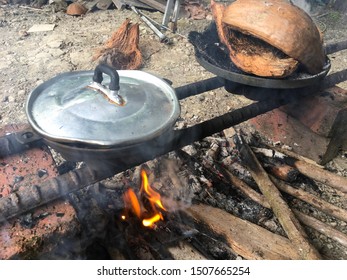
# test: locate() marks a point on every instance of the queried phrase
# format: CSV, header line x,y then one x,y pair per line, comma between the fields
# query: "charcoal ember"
x,y
241,207
93,211
27,221
212,247
18,179
194,184
252,211
42,172
66,166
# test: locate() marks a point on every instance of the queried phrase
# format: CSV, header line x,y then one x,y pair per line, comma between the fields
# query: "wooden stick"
x,y
316,202
243,187
320,204
282,154
282,171
328,178
32,8
285,216
307,168
322,228
245,238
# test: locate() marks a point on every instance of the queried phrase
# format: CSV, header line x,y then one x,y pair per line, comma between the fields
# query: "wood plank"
x,y
156,4
247,239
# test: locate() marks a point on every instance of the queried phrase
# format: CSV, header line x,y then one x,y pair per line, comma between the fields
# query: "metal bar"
x,y
335,47
30,197
158,5
168,12
176,10
199,87
17,142
162,37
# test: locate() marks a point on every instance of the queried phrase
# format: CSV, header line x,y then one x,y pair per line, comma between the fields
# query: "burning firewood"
x,y
284,214
245,238
307,168
122,51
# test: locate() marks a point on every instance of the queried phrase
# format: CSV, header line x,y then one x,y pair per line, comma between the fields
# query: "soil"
x,y
29,59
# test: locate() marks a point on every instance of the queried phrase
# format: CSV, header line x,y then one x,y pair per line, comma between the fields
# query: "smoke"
x,y
302,4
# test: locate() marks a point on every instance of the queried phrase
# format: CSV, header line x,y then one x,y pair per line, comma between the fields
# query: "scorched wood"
x,y
246,239
284,214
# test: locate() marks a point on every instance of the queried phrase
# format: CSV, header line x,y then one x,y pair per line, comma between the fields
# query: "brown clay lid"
x,y
280,24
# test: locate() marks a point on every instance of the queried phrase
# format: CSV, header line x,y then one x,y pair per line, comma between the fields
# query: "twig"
x,y
320,204
243,187
282,171
307,168
282,154
328,178
322,228
284,214
32,8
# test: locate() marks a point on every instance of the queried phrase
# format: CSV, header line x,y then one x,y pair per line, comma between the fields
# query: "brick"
x,y
277,126
36,233
319,113
315,127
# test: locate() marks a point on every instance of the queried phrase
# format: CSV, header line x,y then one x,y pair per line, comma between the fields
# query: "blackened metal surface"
x,y
214,57
335,47
32,196
199,87
13,143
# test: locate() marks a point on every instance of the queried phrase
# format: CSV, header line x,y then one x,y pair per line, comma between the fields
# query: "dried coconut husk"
x,y
122,51
251,54
282,25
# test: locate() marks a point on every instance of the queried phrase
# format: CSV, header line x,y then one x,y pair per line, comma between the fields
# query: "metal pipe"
x,y
17,142
335,47
199,87
30,197
162,37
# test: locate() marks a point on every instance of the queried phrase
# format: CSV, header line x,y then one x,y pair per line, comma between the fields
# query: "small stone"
x,y
21,92
11,98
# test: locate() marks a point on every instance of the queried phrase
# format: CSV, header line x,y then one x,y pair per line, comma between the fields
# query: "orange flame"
x,y
130,199
153,196
133,204
149,222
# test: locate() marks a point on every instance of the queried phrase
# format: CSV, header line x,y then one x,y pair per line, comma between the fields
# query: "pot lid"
x,y
130,106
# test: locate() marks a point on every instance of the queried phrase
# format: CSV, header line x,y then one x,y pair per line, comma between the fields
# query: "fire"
x,y
153,196
132,203
130,199
149,222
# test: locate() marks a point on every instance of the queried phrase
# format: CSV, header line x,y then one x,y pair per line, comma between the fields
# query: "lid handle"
x,y
106,69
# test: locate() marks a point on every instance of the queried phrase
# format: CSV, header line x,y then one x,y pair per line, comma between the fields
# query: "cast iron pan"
x,y
214,57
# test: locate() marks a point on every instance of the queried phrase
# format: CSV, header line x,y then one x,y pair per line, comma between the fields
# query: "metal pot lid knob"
x,y
112,92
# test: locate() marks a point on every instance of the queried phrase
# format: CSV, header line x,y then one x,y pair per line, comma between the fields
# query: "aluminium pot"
x,y
104,117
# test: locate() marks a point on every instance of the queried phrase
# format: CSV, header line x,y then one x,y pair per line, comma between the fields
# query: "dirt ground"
x,y
29,59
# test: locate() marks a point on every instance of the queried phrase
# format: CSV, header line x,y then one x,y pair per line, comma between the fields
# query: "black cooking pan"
x,y
214,57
